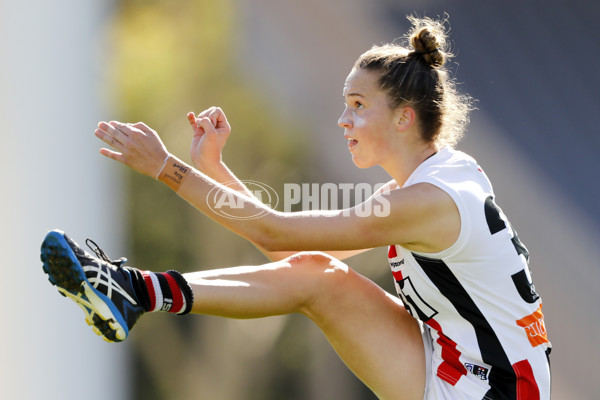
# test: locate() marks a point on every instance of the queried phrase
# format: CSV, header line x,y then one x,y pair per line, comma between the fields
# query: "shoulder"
x,y
451,170
449,158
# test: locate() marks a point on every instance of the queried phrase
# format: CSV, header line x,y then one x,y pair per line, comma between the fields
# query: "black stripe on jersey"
x,y
525,288
496,224
502,378
492,216
519,246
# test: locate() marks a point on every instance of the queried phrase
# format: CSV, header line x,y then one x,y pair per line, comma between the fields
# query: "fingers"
x,y
143,127
114,133
215,115
206,125
112,155
108,135
195,121
191,118
195,124
207,113
121,130
219,119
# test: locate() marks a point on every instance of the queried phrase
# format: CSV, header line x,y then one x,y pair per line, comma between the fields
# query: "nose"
x,y
345,121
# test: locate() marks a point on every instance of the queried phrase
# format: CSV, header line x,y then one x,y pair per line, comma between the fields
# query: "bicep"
x,y
399,216
428,219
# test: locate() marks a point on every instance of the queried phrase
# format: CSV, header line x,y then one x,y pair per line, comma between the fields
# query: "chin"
x,y
361,165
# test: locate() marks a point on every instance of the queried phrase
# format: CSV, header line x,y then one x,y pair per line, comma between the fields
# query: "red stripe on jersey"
x,y
397,276
527,388
451,369
392,252
176,292
151,289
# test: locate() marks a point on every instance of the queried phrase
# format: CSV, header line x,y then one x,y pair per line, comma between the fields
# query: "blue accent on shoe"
x,y
103,289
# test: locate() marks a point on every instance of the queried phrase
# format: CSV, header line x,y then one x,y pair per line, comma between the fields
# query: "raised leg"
x,y
369,329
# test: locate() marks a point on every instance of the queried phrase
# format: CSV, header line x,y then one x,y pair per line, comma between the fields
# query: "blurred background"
x,y
277,68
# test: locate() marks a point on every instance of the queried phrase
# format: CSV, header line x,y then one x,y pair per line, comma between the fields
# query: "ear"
x,y
406,117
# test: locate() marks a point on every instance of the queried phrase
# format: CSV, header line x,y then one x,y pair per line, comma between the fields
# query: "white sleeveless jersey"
x,y
476,297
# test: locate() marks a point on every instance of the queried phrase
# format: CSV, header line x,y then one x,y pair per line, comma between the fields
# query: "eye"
x,y
358,105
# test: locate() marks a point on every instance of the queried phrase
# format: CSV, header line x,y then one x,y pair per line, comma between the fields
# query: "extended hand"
x,y
136,145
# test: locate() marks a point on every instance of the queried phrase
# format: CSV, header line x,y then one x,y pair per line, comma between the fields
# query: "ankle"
x,y
164,291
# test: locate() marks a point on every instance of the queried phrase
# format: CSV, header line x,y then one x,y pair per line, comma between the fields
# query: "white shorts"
x,y
435,388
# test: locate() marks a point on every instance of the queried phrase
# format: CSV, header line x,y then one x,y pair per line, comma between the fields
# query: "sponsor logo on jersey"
x,y
397,263
477,370
534,327
392,253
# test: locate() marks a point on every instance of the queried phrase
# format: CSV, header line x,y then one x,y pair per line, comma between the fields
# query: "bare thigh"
x,y
371,331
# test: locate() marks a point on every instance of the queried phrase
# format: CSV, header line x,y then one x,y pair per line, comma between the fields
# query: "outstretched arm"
x,y
414,215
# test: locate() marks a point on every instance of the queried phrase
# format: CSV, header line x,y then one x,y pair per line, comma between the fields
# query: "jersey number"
x,y
417,305
493,216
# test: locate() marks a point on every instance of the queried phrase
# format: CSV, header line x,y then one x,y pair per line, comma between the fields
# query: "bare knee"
x,y
317,263
325,277
316,260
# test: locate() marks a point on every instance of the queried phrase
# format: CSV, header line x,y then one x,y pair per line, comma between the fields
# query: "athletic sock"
x,y
164,291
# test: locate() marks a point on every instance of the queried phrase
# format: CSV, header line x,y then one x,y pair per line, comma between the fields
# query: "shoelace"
x,y
102,255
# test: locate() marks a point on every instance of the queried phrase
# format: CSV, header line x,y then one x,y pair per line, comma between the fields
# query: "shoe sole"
x,y
66,273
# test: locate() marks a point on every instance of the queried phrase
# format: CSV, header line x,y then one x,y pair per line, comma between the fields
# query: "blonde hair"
x,y
417,75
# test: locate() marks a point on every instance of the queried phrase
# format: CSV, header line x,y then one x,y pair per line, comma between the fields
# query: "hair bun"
x,y
428,40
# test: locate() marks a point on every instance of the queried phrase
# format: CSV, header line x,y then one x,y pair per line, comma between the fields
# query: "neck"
x,y
404,165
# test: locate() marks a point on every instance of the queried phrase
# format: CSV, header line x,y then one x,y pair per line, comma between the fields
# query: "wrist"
x,y
173,172
210,168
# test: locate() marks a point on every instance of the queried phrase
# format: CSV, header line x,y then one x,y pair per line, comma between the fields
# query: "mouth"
x,y
352,143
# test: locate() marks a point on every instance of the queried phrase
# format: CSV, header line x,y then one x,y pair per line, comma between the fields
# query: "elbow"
x,y
269,236
269,240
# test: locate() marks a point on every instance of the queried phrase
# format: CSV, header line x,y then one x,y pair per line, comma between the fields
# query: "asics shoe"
x,y
104,289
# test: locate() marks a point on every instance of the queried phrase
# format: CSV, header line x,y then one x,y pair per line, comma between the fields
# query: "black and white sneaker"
x,y
104,289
